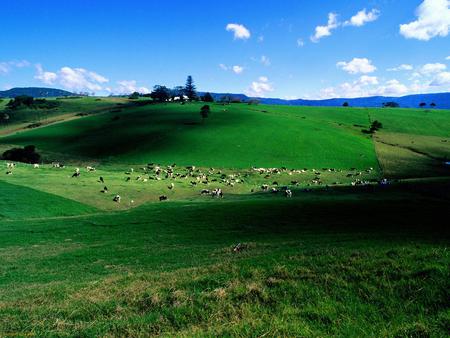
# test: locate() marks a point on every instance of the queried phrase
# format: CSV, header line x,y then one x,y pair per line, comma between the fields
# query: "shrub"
x,y
134,96
27,154
204,111
207,98
390,104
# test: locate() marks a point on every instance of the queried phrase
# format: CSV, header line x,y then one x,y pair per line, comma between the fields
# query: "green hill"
x,y
344,256
237,135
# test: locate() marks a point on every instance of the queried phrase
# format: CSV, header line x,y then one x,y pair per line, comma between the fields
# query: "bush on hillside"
x,y
134,96
207,97
27,154
29,102
204,112
390,104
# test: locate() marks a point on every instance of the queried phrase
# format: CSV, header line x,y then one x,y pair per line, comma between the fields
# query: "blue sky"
x,y
287,49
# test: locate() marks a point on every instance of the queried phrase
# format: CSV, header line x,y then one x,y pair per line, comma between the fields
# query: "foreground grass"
x,y
344,264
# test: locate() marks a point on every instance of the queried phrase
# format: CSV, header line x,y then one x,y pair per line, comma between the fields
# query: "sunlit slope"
x,y
237,135
18,202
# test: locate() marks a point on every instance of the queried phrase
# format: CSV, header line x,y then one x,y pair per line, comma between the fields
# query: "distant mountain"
x,y
442,100
35,92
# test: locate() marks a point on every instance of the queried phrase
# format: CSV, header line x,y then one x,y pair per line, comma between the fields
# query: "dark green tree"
x,y
207,97
190,89
432,104
345,104
204,112
178,91
391,104
160,93
422,104
376,125
134,96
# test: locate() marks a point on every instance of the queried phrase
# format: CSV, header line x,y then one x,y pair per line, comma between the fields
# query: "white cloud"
x,y
433,19
128,87
265,60
75,79
357,65
7,66
322,31
363,87
368,80
400,68
239,31
235,69
80,79
300,42
392,87
4,69
362,17
260,87
441,79
261,38
238,69
45,77
447,58
432,68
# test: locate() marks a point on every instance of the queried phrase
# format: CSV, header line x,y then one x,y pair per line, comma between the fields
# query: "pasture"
x,y
345,256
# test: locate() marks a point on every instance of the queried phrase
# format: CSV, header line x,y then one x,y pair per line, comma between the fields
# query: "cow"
x,y
163,198
217,193
76,174
288,193
116,198
102,180
205,192
35,165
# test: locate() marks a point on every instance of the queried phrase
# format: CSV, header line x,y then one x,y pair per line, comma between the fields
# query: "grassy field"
x,y
339,258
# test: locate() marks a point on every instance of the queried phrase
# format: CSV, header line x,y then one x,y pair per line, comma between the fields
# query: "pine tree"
x,y
190,89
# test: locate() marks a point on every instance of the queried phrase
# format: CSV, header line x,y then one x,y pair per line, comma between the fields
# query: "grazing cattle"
x,y
89,168
35,165
294,182
205,192
163,198
217,193
76,174
105,189
116,198
265,187
171,186
274,190
102,180
9,172
288,193
55,164
10,165
128,179
237,248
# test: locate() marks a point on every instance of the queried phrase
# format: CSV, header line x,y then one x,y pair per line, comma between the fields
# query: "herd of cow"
x,y
211,176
